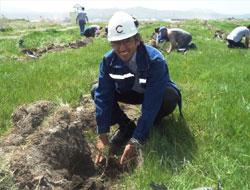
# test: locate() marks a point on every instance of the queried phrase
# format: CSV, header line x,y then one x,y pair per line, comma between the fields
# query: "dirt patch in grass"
x,y
48,149
218,33
221,34
36,53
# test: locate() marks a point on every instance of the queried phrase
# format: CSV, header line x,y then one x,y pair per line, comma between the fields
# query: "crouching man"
x,y
178,39
92,31
133,73
235,37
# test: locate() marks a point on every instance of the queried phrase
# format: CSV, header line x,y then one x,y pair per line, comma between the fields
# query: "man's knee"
x,y
171,99
93,89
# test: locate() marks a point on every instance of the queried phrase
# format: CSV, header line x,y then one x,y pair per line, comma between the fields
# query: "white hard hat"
x,y
121,26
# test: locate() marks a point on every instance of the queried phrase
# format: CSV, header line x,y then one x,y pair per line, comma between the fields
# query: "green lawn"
x,y
210,145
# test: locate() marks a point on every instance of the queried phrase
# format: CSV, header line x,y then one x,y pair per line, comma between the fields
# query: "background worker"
x,y
92,30
132,73
82,19
178,39
235,37
153,38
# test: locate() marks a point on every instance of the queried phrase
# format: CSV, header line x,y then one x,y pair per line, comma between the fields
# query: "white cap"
x,y
121,26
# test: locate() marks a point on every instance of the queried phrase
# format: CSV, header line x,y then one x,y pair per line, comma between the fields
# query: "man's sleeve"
x,y
153,98
104,97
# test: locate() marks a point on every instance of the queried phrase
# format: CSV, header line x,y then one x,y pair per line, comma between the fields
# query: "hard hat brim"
x,y
121,36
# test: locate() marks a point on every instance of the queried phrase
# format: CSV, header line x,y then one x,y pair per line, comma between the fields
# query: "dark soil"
x,y
218,33
221,34
48,150
36,53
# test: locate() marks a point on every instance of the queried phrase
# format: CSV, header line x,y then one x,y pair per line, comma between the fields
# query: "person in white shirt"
x,y
82,19
235,37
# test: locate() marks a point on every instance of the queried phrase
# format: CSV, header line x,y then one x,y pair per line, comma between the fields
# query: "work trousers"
x,y
233,44
82,26
170,101
89,33
185,42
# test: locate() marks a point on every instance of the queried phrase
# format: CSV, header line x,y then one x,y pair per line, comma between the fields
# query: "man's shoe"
x,y
123,134
182,50
193,46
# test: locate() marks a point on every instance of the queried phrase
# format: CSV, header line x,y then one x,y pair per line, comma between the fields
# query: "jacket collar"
x,y
142,58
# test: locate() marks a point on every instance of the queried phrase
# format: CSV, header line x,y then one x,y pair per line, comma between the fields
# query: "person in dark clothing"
x,y
132,73
91,30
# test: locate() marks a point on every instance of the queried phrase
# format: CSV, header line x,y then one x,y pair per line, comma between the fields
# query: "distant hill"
x,y
139,12
151,14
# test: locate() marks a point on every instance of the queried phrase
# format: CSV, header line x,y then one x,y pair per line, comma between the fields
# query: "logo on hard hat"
x,y
119,29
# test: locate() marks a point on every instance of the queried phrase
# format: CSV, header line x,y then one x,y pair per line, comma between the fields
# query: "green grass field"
x,y
210,145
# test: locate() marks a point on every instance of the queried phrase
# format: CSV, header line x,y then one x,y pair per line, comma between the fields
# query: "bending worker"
x,y
92,30
235,37
178,38
133,73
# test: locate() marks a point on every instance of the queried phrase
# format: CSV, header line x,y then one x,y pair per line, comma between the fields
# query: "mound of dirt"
x,y
47,149
152,39
221,34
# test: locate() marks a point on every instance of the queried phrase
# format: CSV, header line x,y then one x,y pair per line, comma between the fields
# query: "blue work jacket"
x,y
115,76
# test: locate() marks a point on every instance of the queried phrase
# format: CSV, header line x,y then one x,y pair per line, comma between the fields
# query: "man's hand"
x,y
103,147
169,49
129,154
247,42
